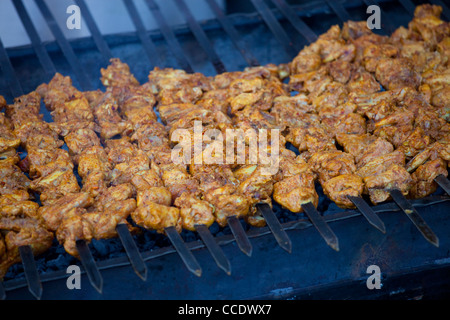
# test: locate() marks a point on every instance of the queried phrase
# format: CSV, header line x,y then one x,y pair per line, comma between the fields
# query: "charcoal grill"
x,y
273,32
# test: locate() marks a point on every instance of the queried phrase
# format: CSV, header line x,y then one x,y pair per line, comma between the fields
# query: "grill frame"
x,y
263,14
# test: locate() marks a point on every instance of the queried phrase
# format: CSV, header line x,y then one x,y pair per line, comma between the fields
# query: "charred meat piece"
x,y
395,177
364,147
154,210
296,190
194,211
330,164
339,188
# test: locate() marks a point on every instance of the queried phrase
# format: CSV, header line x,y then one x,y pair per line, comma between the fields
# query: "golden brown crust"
x,y
366,112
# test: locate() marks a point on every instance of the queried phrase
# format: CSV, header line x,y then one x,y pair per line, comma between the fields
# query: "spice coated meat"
x,y
364,113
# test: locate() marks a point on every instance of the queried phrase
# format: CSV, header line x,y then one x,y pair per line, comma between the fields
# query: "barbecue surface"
x,y
323,207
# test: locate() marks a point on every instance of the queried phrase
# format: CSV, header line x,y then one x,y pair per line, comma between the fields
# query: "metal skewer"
x,y
296,21
2,291
31,273
185,254
275,226
214,248
368,213
239,234
201,37
414,216
443,182
132,251
95,278
321,226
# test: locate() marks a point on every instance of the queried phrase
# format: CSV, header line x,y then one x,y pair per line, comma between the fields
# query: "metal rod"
x,y
414,216
168,34
147,43
2,291
275,226
42,54
201,37
321,226
296,21
96,35
185,254
368,213
215,250
233,34
443,182
239,234
94,275
409,6
31,273
8,70
132,251
75,64
339,10
275,27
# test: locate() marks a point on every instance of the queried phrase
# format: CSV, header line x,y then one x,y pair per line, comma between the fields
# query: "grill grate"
x,y
279,20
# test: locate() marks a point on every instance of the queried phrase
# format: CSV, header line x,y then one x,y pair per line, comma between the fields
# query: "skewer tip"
x,y
142,274
90,266
435,242
215,250
240,236
132,251
275,226
197,272
99,288
31,273
414,216
185,254
288,247
368,213
317,220
334,245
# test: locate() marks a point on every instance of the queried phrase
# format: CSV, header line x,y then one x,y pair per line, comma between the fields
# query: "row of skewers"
x,y
353,138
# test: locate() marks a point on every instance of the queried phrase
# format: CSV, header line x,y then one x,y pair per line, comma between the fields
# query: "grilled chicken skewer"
x,y
295,190
182,116
24,235
250,187
154,195
391,181
308,130
97,173
113,199
73,115
342,86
